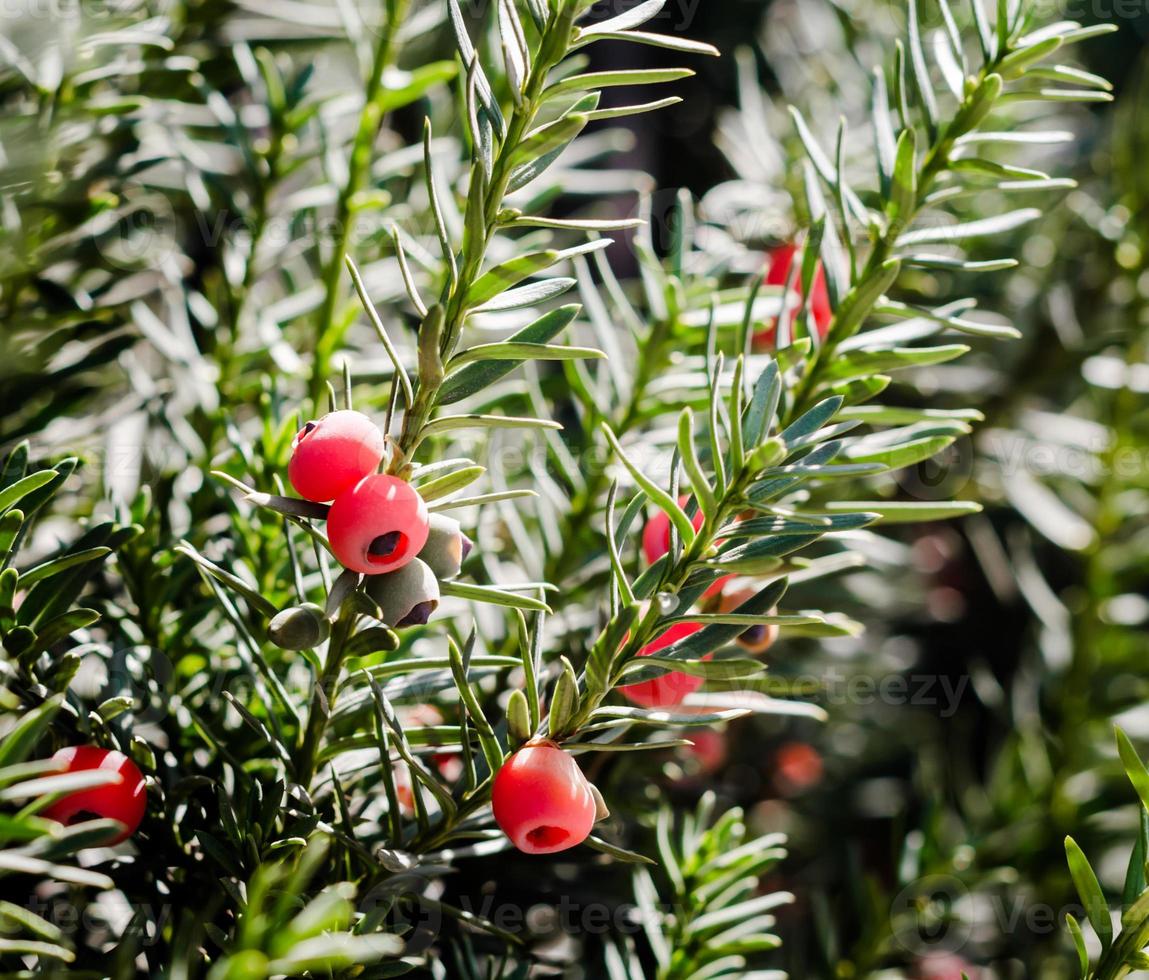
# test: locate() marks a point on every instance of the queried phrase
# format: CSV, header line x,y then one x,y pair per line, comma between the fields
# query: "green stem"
x,y
358,168
934,164
552,49
673,580
323,699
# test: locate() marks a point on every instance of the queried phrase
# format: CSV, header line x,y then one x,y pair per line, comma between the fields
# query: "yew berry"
x,y
406,597
448,763
668,689
542,801
707,750
656,534
656,539
798,767
778,274
447,547
756,639
378,525
124,800
333,454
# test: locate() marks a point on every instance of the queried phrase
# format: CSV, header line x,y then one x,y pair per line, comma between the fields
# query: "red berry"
x,y
333,454
656,539
781,259
378,525
668,689
124,801
708,750
656,534
799,766
542,801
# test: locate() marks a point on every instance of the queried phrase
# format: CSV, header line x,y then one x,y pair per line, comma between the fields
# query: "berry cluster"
x,y
377,524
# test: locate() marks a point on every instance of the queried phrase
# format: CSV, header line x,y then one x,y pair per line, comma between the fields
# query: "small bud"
x,y
772,451
299,627
564,700
407,597
447,547
518,717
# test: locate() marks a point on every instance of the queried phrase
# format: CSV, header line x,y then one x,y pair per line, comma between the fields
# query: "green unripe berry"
x,y
447,547
406,597
299,627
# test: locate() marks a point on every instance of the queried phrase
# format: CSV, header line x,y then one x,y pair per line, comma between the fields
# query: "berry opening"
x,y
387,547
303,434
419,615
82,816
547,836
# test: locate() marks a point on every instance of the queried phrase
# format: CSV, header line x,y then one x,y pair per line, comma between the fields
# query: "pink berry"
x,y
124,800
668,689
542,801
333,454
656,534
656,540
781,259
378,525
